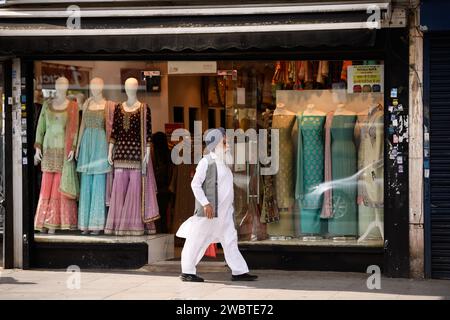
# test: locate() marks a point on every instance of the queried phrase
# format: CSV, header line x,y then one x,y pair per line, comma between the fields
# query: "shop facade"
x,y
253,67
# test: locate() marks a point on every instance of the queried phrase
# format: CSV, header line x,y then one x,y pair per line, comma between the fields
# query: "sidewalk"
x,y
152,283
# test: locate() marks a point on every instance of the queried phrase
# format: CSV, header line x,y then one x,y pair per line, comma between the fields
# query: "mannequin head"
x,y
131,87
61,87
96,86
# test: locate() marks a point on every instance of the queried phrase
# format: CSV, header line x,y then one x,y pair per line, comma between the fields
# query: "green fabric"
x,y
310,171
310,161
344,167
50,132
69,180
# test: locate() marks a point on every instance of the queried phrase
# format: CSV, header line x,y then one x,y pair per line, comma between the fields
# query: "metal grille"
x,y
440,156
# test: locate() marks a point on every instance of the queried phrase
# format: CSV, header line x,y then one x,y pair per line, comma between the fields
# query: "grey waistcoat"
x,y
210,188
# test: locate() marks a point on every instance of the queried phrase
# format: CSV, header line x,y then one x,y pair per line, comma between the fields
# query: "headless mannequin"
x,y
281,110
132,104
312,111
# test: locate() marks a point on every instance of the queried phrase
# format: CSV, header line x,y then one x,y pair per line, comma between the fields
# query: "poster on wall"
x,y
78,76
126,73
365,78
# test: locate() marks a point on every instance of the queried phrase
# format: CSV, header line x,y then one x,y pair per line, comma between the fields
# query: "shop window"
x,y
328,189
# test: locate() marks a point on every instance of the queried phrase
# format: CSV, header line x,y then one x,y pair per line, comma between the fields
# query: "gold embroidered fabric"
x,y
52,160
284,180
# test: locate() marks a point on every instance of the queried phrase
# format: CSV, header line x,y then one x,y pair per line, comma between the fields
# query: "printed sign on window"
x,y
365,78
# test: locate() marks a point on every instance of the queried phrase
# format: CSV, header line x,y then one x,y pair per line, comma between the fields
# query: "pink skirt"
x,y
55,210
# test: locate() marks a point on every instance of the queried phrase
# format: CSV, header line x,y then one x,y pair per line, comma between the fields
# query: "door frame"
x,y
8,230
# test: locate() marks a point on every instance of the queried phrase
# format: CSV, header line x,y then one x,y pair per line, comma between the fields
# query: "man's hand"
x,y
209,211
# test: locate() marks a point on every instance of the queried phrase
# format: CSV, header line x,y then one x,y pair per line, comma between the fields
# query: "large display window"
x,y
103,147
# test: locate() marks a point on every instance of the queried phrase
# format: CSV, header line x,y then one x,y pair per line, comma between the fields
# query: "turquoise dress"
x,y
344,167
310,171
93,165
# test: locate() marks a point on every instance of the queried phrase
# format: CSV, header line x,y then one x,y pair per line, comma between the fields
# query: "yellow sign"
x,y
365,78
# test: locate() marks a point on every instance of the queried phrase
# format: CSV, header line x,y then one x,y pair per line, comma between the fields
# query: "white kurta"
x,y
200,232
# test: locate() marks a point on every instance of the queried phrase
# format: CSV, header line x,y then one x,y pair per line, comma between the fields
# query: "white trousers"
x,y
197,243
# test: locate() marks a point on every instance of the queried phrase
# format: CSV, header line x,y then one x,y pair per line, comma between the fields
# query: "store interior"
x,y
328,190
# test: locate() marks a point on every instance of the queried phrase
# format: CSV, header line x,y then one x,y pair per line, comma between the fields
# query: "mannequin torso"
x,y
97,103
60,103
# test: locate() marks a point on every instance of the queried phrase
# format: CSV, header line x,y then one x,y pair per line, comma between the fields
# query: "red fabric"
x,y
211,250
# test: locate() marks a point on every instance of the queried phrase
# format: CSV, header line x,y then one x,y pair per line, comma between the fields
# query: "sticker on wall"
x,y
394,93
395,139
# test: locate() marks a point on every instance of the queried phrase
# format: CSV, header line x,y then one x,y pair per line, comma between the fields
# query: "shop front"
x,y
330,193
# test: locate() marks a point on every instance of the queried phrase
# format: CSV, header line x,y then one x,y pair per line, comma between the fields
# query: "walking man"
x,y
213,219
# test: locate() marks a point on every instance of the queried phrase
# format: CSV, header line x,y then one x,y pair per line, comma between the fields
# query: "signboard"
x,y
365,78
192,67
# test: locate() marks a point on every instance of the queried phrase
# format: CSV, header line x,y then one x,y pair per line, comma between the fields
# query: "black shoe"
x,y
190,278
244,277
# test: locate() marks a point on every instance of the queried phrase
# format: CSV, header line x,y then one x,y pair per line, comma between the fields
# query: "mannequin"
x,y
370,164
310,170
133,202
343,157
56,138
92,156
284,121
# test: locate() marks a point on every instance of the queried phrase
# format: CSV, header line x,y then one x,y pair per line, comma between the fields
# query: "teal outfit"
x,y
344,166
310,171
93,165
